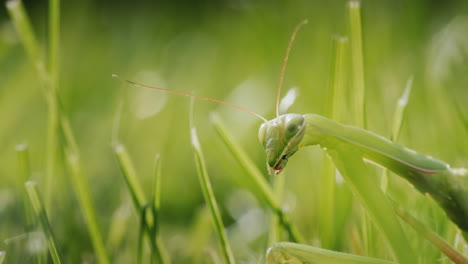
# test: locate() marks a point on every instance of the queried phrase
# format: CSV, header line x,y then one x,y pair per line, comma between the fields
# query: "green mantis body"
x,y
284,135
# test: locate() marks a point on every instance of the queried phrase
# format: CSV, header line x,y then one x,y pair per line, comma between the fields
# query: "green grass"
x,y
41,215
57,95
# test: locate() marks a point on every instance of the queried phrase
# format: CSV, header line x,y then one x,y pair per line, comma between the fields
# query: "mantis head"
x,y
281,138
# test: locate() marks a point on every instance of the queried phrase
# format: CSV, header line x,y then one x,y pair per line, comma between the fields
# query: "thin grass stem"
x,y
398,118
357,62
161,253
24,173
130,176
39,209
21,22
49,79
336,101
210,199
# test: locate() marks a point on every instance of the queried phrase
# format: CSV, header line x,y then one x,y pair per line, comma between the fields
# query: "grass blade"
x,y
286,252
357,62
80,186
23,26
398,118
208,194
148,220
49,79
39,209
255,176
130,176
2,256
24,175
432,237
329,222
160,252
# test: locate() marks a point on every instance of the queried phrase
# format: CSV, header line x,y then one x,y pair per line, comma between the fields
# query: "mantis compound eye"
x,y
262,133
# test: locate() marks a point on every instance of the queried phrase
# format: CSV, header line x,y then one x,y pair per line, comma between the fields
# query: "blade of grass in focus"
x,y
357,63
39,209
359,99
330,226
254,175
432,237
130,176
2,256
155,209
296,253
398,118
149,226
208,194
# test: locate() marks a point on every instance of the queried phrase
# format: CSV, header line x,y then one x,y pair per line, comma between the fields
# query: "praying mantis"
x,y
350,147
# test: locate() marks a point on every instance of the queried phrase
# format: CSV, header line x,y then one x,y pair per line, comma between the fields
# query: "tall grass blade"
x,y
254,175
2,256
24,170
49,79
336,103
130,176
432,237
139,201
286,252
398,118
23,26
52,97
39,209
160,252
81,188
208,194
357,62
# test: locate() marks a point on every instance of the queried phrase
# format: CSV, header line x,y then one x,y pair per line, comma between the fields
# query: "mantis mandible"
x,y
349,147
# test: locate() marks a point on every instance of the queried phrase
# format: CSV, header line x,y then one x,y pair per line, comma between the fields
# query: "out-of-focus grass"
x,y
233,52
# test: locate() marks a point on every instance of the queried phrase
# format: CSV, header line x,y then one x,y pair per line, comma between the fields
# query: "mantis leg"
x,y
292,253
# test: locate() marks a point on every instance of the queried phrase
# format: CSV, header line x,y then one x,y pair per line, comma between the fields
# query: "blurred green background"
x,y
229,50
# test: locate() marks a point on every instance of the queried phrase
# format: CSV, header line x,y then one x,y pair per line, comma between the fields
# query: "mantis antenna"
x,y
285,60
192,95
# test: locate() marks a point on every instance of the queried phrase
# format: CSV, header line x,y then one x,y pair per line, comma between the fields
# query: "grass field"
x,y
88,141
